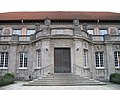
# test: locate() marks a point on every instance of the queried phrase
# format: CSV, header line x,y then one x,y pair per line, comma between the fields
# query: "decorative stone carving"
x,y
117,46
76,22
23,47
37,26
99,47
85,27
113,32
6,32
47,22
4,47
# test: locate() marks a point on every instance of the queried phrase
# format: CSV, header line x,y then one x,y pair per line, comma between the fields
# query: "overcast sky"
x,y
59,5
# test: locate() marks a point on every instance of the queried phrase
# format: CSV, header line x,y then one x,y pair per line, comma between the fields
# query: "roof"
x,y
59,15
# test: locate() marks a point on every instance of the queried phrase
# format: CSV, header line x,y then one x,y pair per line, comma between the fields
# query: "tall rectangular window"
x,y
103,31
29,32
117,58
85,62
4,59
19,32
23,59
38,58
99,59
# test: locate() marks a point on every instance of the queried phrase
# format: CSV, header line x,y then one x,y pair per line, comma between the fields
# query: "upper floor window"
x,y
19,32
29,32
23,59
0,32
117,58
4,59
85,62
90,31
99,59
118,31
103,31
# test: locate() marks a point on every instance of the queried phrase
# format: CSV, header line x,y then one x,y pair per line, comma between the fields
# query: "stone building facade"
x,y
37,44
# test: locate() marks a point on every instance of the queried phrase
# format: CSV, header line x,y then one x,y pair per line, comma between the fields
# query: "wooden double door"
x,y
62,60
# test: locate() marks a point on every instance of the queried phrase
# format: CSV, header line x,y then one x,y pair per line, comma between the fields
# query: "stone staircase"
x,y
63,79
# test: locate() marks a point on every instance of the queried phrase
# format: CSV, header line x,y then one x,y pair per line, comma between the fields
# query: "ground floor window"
x,y
117,58
4,59
23,59
99,59
38,58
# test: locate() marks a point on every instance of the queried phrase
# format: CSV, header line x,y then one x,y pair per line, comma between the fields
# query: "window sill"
x,y
86,67
22,67
38,68
117,67
100,67
3,67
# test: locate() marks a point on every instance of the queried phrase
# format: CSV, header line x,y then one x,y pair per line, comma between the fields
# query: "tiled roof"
x,y
59,15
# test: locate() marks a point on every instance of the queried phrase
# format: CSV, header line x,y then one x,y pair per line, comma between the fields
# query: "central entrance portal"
x,y
62,60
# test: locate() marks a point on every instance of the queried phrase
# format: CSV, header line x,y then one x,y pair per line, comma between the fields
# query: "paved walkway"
x,y
19,86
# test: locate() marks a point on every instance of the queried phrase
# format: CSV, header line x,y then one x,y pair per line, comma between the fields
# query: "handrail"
x,y
43,71
82,71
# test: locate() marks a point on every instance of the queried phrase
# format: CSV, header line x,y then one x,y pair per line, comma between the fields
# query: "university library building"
x,y
37,44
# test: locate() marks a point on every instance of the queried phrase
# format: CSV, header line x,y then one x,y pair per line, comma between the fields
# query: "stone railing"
x,y
15,38
106,37
84,72
61,32
43,71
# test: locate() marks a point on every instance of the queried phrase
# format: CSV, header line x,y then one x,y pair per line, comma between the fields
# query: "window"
x,y
90,32
102,31
19,32
99,59
118,31
23,59
85,62
38,58
29,32
117,59
0,32
4,59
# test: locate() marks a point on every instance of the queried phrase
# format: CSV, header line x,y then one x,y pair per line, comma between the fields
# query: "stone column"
x,y
92,62
13,54
110,59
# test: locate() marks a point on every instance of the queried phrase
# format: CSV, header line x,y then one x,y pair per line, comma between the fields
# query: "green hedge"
x,y
8,78
115,78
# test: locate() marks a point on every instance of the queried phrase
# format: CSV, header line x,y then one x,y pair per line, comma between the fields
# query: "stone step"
x,y
63,80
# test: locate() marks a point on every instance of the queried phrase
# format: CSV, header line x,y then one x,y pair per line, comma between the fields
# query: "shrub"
x,y
9,75
115,78
8,78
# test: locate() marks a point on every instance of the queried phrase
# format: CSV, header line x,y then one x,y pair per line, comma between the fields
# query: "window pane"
x,y
102,32
29,32
85,58
23,59
19,32
4,59
99,59
90,32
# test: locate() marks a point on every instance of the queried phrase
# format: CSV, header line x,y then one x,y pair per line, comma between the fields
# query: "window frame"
x,y
5,60
90,30
103,29
85,58
24,59
117,60
17,32
100,60
30,30
39,60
